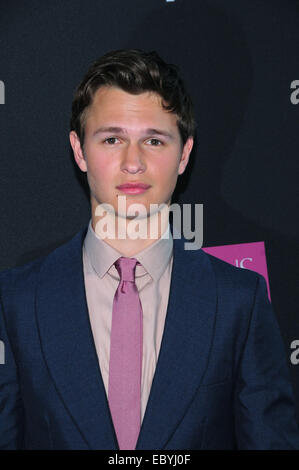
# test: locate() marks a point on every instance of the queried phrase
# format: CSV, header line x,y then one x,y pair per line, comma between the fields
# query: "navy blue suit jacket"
x,y
221,381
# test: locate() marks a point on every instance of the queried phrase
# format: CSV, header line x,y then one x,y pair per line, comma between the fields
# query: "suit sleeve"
x,y
11,409
264,408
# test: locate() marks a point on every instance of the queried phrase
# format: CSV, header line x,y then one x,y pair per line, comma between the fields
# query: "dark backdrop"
x,y
239,61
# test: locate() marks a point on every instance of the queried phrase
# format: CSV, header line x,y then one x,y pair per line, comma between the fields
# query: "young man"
x,y
113,342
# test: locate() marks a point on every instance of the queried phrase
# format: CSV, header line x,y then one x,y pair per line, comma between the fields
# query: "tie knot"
x,y
126,268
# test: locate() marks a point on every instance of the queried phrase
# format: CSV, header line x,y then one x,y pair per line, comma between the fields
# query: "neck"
x,y
129,236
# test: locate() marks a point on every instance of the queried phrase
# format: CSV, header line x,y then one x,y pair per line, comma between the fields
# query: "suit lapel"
x,y
185,345
68,346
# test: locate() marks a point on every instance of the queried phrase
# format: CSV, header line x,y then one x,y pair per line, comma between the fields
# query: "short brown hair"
x,y
134,71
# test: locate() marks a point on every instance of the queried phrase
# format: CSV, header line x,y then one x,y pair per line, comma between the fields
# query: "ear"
x,y
185,155
78,153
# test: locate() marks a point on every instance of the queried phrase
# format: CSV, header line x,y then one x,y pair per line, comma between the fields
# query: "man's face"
x,y
130,138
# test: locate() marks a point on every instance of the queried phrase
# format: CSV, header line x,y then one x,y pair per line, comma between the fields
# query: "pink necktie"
x,y
125,365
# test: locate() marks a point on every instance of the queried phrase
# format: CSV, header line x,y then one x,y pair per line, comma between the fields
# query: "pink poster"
x,y
244,255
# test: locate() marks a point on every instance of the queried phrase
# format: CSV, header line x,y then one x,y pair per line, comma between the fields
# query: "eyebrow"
x,y
120,130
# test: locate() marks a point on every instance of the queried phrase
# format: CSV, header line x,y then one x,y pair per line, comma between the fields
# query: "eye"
x,y
111,140
155,142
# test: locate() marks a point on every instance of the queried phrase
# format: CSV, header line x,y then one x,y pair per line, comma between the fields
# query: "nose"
x,y
133,160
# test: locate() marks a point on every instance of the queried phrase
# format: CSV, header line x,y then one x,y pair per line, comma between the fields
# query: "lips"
x,y
133,188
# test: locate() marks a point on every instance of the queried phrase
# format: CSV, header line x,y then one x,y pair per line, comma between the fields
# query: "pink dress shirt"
x,y
153,282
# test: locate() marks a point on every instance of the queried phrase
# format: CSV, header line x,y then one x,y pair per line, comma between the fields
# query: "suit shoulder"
x,y
12,277
24,276
233,276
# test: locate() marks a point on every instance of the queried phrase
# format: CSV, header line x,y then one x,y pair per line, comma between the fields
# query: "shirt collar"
x,y
153,259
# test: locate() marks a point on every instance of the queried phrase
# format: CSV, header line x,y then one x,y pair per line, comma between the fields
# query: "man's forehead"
x,y
113,107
